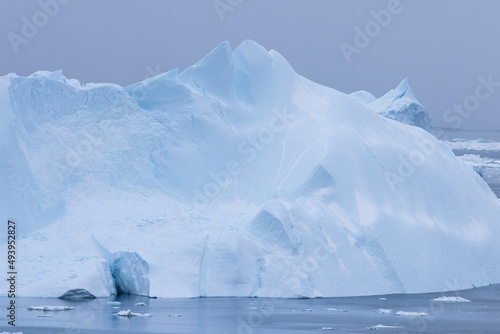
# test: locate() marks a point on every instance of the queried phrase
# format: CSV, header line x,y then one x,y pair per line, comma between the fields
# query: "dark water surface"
x,y
263,315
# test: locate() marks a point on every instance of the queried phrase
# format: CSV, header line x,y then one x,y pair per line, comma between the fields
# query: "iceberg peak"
x,y
213,74
401,105
403,90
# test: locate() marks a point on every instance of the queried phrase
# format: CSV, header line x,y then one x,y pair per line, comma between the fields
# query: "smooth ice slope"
x,y
236,177
399,104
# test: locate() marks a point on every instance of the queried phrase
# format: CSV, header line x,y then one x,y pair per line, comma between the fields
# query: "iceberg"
x,y
399,104
235,177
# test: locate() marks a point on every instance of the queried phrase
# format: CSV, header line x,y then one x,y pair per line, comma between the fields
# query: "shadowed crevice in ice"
x,y
131,273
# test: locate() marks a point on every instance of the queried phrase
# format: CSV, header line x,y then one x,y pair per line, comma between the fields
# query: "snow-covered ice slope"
x,y
236,177
399,104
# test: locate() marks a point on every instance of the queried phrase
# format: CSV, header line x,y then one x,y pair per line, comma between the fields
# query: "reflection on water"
x,y
264,315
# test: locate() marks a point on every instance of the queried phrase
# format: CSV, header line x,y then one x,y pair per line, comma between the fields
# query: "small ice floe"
x,y
115,303
175,315
11,333
382,298
116,307
292,310
335,310
307,310
252,307
140,304
411,314
50,308
327,329
264,308
383,311
44,315
374,328
130,314
451,299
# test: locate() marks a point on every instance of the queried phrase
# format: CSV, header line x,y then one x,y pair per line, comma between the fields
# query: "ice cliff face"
x,y
399,104
236,177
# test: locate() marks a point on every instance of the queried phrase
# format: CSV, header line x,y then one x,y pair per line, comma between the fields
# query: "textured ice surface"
x,y
236,177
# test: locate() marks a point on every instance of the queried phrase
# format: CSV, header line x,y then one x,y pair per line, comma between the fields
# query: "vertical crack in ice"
x,y
299,159
283,152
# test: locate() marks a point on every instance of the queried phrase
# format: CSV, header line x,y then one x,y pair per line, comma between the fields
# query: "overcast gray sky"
x,y
443,46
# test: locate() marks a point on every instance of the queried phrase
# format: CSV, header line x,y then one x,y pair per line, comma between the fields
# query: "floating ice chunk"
x,y
50,308
307,310
140,304
335,310
383,311
411,314
450,299
77,294
130,314
327,328
175,315
114,303
374,328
